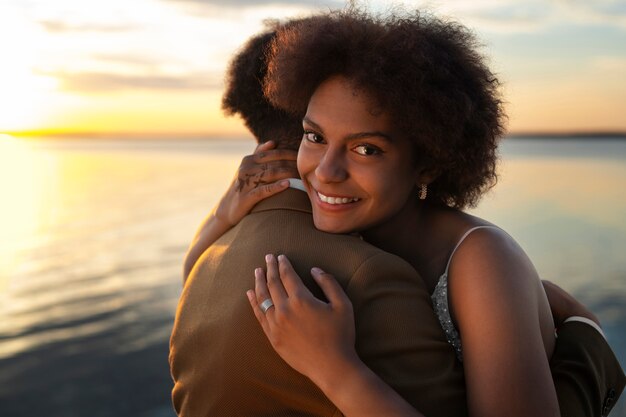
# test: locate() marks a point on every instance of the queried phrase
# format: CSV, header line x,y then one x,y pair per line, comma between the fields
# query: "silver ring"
x,y
266,304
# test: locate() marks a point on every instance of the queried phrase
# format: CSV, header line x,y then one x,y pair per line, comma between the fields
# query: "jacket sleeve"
x,y
401,340
587,375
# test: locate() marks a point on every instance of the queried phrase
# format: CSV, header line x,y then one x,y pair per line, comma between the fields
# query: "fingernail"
x,y
250,295
268,257
316,270
281,258
257,272
284,183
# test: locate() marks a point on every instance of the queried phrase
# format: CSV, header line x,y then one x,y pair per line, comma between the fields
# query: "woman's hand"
x,y
314,337
260,175
317,338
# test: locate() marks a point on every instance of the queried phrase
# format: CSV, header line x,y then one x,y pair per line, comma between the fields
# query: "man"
x,y
222,363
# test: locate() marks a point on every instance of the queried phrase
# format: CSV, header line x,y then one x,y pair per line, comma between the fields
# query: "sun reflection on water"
x,y
24,173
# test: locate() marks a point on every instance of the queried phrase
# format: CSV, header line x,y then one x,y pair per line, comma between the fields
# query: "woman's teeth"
x,y
336,200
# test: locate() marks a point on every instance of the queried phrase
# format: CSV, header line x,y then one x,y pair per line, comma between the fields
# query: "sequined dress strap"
x,y
440,301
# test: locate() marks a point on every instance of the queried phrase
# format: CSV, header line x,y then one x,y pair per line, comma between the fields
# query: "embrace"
x,y
339,274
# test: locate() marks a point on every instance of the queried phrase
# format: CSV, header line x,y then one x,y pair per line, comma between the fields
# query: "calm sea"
x,y
92,235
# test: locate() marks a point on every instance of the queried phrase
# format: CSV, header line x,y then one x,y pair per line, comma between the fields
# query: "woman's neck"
x,y
421,234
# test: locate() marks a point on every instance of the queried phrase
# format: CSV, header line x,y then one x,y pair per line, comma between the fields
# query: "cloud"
x,y
58,26
130,59
95,82
520,17
605,12
528,16
251,3
610,63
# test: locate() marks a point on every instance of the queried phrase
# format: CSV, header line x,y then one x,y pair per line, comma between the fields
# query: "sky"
x,y
156,67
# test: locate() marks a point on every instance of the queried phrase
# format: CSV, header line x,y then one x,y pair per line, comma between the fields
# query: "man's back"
x,y
222,362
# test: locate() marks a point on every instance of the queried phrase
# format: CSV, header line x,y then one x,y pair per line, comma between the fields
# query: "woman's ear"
x,y
426,176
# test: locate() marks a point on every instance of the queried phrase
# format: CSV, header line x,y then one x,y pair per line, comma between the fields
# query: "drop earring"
x,y
423,191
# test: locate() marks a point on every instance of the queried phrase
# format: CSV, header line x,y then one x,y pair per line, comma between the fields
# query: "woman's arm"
x,y
259,176
505,326
317,339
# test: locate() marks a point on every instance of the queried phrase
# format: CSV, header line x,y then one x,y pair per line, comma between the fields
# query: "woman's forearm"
x,y
357,391
212,228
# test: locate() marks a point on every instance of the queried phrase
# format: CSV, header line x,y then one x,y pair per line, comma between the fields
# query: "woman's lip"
x,y
335,201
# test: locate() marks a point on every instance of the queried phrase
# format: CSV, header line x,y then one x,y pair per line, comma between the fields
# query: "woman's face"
x,y
358,171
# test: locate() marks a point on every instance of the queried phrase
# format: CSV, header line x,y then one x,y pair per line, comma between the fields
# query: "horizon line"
x,y
56,134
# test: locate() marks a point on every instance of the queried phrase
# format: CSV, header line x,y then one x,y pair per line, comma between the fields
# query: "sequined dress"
x,y
440,301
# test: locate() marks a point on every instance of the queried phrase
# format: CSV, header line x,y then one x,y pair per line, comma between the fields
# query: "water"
x,y
92,236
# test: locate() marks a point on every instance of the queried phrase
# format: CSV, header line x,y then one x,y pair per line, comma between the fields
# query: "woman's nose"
x,y
331,167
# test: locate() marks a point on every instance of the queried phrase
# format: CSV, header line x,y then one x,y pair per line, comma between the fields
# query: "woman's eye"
x,y
367,150
313,137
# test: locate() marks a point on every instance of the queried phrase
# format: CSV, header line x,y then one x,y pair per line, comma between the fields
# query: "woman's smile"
x,y
336,200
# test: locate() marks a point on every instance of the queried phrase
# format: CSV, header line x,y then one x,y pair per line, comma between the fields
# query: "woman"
x,y
401,124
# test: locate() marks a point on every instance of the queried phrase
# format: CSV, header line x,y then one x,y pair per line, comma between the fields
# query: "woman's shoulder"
x,y
483,239
492,281
490,274
473,237
487,252
486,261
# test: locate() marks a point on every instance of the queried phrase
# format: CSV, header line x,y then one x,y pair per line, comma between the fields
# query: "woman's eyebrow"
x,y
363,135
311,123
360,135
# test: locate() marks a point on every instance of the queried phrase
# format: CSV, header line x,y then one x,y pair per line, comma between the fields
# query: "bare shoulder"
x,y
491,274
493,254
492,281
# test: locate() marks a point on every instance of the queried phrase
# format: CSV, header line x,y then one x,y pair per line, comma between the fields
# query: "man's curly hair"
x,y
244,95
425,72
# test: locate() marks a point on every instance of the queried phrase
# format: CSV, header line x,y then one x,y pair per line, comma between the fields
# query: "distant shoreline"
x,y
568,135
209,137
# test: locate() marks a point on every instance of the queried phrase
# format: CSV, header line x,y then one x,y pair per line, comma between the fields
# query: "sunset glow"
x,y
156,67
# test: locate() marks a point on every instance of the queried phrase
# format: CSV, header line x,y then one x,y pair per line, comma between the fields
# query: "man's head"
x,y
244,95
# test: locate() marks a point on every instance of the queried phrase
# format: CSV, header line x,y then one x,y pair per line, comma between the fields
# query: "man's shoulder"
x,y
293,233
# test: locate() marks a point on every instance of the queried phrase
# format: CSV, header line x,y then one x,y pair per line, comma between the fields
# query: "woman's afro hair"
x,y
425,72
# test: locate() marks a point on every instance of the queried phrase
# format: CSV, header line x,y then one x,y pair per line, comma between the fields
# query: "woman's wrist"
x,y
330,376
351,379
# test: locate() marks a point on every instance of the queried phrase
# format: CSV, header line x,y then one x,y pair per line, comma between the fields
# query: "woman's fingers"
x,y
294,286
260,286
266,152
252,174
271,171
291,281
270,144
258,313
263,191
274,283
264,155
335,295
249,166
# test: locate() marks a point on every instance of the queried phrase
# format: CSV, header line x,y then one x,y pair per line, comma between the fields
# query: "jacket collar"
x,y
290,199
